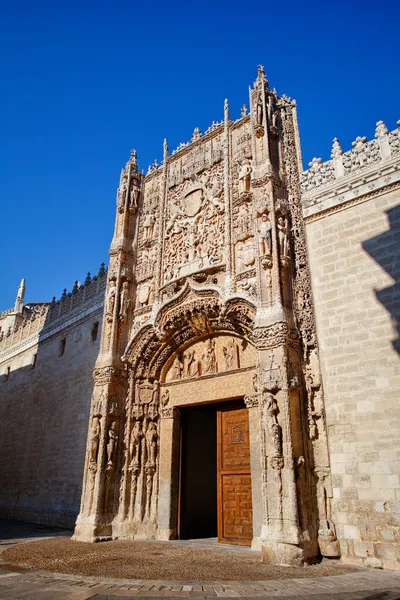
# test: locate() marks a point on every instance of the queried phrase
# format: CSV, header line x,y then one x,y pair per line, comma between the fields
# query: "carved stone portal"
x,y
209,299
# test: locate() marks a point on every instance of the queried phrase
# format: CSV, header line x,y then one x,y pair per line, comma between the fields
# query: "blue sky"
x,y
84,82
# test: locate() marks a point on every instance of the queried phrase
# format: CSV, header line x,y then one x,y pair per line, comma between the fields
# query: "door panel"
x,y
235,518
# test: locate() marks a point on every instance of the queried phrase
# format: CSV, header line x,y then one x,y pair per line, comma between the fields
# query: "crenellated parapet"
x,y
82,297
35,321
363,155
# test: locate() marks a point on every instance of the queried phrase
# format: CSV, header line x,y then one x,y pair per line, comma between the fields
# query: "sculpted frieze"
x,y
210,356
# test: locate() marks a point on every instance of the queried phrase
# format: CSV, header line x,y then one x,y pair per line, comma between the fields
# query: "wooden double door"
x,y
215,477
235,514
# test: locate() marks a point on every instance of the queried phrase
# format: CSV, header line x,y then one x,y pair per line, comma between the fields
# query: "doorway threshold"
x,y
213,544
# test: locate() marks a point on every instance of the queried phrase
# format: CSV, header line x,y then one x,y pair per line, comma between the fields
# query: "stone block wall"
x,y
45,389
354,258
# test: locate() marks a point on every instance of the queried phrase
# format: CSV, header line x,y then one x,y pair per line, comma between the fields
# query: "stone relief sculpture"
x,y
135,444
264,239
209,358
95,433
124,301
148,227
151,443
244,177
111,294
272,426
112,441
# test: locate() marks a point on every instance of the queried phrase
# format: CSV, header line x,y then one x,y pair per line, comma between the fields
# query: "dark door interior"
x,y
198,476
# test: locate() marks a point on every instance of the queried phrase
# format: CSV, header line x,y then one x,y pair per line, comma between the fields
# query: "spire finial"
x,y
166,151
133,160
226,110
19,301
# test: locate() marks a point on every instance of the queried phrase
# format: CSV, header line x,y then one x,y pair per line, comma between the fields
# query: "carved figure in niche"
x,y
135,443
190,364
122,194
134,195
264,240
94,439
148,226
259,108
124,301
244,176
111,297
229,352
209,359
326,527
245,255
177,368
165,398
283,237
243,220
151,443
271,422
112,442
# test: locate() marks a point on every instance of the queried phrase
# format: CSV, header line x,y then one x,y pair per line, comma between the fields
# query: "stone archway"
x,y
196,345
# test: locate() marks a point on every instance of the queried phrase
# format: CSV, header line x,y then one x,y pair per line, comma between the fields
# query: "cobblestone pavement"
x,y
19,584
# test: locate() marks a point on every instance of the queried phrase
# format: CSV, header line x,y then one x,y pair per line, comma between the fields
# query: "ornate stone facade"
x,y
207,299
209,291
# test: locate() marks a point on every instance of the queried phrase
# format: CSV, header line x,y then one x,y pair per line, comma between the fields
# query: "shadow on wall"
x,y
385,250
13,531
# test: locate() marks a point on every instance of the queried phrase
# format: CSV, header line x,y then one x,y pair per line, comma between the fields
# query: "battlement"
x,y
363,156
82,296
40,318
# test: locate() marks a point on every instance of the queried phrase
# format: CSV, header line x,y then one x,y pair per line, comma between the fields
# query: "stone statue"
x,y
177,369
112,442
264,240
190,364
134,444
124,301
209,362
283,237
134,195
148,226
272,426
111,297
229,355
151,443
259,109
94,439
244,176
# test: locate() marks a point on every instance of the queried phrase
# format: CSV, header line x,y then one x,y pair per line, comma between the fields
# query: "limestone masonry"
x,y
237,365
